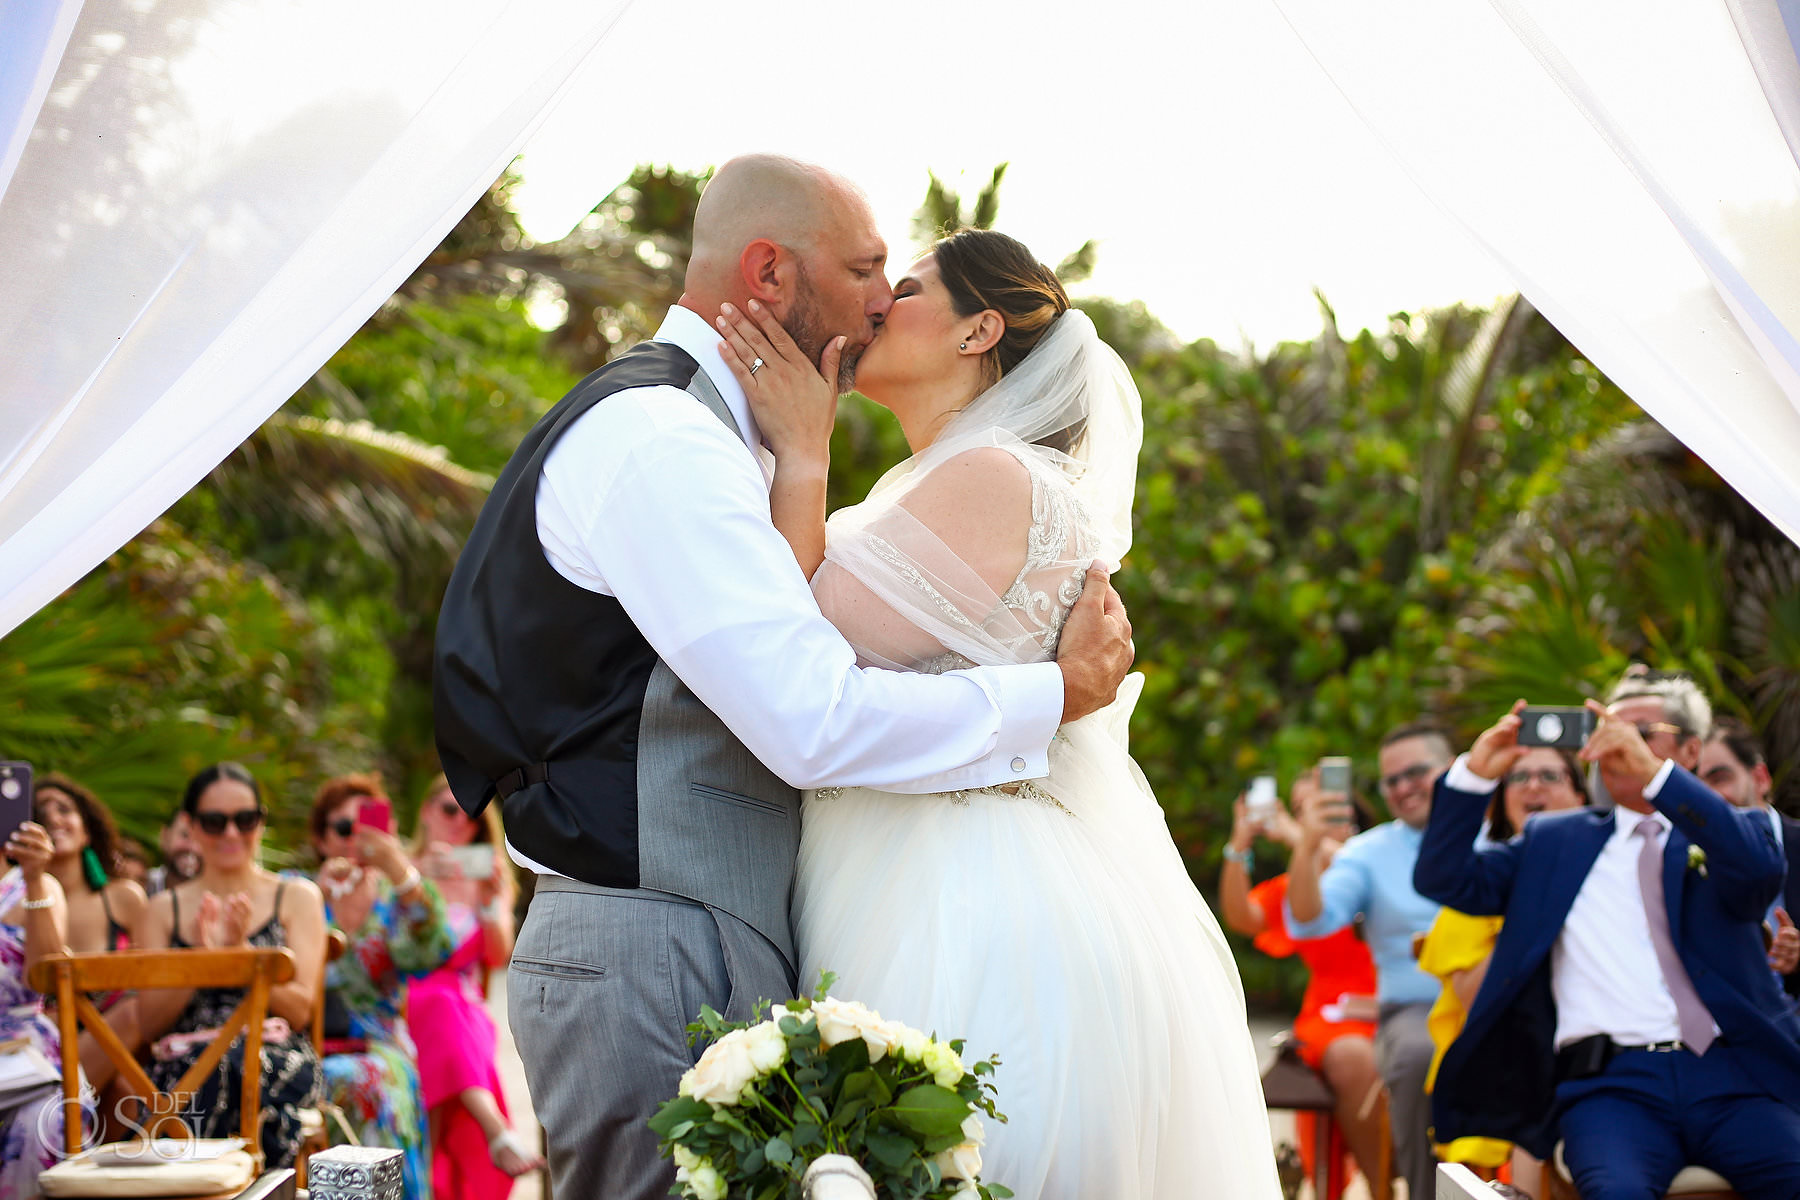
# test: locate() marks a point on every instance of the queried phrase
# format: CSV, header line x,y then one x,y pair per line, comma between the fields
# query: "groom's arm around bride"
x,y
631,663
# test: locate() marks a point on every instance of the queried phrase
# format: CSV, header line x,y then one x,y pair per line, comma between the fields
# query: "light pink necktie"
x,y
1695,1021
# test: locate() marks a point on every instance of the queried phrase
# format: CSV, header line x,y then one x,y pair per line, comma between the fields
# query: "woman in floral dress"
x,y
234,902
397,929
32,925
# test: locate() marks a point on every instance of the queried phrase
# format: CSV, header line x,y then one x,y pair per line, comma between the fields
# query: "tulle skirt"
x,y
1056,927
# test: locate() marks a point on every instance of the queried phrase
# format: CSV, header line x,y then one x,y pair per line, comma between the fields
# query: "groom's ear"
x,y
768,273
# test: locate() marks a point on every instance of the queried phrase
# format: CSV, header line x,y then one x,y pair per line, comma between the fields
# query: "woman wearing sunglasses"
x,y
234,902
394,918
1459,947
474,1153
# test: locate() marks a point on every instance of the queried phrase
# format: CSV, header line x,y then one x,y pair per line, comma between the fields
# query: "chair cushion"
x,y
1697,1179
1691,1181
228,1173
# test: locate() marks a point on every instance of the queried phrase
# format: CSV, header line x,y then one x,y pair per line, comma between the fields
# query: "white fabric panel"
x,y
215,195
1770,30
1622,160
32,36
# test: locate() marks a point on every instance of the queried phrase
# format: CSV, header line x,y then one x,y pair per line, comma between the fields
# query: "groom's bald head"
x,y
796,237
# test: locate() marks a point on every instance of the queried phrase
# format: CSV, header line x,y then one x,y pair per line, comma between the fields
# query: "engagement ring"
x,y
756,366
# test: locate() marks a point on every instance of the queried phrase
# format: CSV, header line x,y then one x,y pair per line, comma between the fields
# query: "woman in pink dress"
x,y
475,1155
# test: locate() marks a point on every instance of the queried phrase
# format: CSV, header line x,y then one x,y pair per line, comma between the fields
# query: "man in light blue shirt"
x,y
1371,877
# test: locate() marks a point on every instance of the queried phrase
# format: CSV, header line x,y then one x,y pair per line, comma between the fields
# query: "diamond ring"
x,y
756,366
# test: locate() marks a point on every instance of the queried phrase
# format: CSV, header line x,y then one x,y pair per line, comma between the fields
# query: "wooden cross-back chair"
x,y
69,978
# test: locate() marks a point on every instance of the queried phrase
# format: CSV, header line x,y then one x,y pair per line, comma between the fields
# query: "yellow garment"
x,y
1458,942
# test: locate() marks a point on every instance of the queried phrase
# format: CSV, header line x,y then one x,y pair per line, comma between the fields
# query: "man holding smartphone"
x,y
1371,878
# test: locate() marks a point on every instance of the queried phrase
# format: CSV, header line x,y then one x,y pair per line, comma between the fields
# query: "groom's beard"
x,y
805,326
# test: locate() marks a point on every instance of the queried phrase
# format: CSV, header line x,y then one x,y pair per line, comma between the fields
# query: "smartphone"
x,y
1259,805
476,860
15,796
1334,775
376,814
1564,728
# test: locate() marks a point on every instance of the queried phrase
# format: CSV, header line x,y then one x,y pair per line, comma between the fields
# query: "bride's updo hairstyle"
x,y
983,269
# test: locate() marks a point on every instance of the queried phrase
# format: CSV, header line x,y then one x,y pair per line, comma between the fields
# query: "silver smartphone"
x,y
1334,775
476,860
1259,804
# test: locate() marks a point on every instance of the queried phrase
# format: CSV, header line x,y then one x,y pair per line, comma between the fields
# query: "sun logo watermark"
x,y
165,1122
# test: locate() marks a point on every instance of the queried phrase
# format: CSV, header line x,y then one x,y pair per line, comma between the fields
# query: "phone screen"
x,y
376,814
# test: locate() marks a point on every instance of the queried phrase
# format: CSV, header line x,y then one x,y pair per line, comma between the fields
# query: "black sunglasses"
x,y
343,826
213,823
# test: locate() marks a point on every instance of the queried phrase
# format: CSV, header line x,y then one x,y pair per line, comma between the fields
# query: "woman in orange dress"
x,y
1335,1031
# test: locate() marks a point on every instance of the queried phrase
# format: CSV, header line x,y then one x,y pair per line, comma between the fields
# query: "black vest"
x,y
538,684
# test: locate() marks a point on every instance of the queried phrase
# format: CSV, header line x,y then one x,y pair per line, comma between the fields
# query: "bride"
x,y
1051,922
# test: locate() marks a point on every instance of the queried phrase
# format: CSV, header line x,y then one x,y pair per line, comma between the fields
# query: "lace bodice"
x,y
1045,588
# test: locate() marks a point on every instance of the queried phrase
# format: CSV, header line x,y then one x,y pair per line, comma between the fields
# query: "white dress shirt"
x,y
649,498
1603,970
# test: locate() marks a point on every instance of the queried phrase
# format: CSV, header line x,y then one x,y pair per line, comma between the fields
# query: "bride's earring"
x,y
964,346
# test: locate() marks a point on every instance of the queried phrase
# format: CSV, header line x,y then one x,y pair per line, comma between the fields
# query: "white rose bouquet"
x,y
827,1076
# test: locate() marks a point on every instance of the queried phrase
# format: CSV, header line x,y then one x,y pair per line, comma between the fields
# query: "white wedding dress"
x,y
1050,922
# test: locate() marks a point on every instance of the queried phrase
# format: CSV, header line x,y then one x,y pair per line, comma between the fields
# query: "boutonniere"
x,y
1697,860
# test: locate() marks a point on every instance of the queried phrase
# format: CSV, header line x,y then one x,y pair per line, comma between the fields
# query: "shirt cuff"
x,y
1031,703
1464,779
1654,787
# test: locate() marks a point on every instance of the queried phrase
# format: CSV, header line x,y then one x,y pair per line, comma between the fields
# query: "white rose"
x,y
943,1063
842,1020
685,1159
960,1162
767,1045
687,1083
912,1043
705,1184
724,1070
973,1131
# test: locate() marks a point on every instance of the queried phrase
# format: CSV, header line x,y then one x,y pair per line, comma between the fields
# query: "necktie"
x,y
1695,1021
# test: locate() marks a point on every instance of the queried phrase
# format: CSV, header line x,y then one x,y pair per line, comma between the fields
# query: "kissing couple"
x,y
739,742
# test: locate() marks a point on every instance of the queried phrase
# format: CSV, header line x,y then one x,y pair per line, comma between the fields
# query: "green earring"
x,y
92,870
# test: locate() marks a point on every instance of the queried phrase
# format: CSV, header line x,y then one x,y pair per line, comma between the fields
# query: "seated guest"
x,y
134,861
1335,1030
474,1153
32,919
180,855
394,919
1372,877
102,909
1459,947
1732,764
234,902
1629,1007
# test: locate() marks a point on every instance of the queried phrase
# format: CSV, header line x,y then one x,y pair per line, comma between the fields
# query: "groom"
x,y
630,661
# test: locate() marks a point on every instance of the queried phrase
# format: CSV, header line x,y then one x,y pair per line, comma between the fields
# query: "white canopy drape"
x,y
209,197
1634,165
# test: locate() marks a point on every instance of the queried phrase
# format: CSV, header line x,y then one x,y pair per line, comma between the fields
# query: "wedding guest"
x,y
1732,764
1371,877
394,919
134,861
235,902
1459,947
180,855
1629,1008
33,922
474,1153
102,909
1335,1030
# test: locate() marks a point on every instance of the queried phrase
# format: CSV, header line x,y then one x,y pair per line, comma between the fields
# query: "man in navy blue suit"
x,y
1732,764
1628,1007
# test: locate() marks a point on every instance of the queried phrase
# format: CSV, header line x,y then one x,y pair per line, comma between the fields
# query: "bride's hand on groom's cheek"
x,y
794,402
